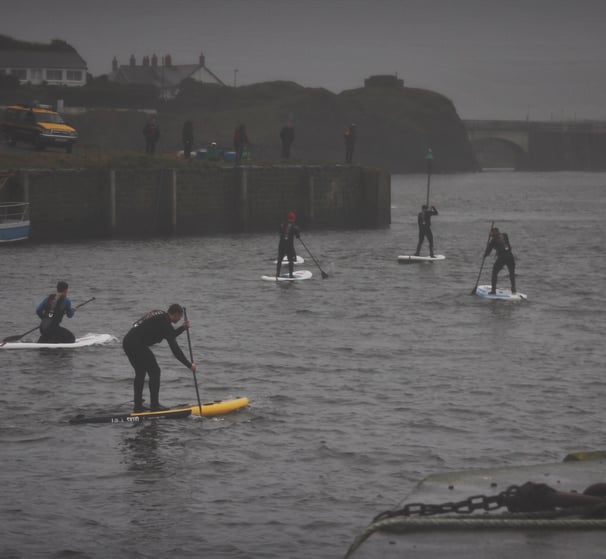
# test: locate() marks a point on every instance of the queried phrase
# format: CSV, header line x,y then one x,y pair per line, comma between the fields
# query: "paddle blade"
x,y
324,275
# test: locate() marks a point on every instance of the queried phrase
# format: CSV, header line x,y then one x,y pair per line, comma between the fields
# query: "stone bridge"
x,y
524,144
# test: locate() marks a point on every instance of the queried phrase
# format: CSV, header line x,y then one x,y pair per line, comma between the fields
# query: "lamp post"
x,y
429,159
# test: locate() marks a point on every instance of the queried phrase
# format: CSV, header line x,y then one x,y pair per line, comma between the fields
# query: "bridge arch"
x,y
510,140
542,145
498,152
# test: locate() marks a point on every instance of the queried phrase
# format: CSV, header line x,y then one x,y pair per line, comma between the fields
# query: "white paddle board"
x,y
89,339
501,294
410,259
298,276
298,260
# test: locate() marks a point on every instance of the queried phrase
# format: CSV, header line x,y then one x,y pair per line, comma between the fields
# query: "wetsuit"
x,y
350,143
51,310
288,232
151,131
240,141
188,138
150,329
424,222
287,137
500,242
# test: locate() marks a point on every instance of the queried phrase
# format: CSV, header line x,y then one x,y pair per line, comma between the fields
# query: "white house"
x,y
38,66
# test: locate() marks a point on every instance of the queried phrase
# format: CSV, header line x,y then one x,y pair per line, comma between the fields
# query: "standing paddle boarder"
x,y
500,242
151,329
51,310
288,232
424,222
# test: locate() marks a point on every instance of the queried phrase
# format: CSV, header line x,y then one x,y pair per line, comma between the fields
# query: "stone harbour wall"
x,y
105,203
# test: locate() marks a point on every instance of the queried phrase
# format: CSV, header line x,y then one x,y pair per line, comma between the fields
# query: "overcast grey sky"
x,y
494,59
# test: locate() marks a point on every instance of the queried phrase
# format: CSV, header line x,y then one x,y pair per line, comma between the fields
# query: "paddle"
x,y
324,274
429,159
18,337
191,358
475,288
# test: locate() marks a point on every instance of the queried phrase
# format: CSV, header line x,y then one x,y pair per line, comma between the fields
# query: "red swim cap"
x,y
292,216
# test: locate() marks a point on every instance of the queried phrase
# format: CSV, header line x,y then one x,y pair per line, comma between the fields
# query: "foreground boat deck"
x,y
502,543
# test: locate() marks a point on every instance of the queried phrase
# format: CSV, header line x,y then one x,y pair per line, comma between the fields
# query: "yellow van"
x,y
37,125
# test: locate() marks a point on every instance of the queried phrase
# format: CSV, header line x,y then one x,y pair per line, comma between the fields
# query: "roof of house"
x,y
41,59
161,76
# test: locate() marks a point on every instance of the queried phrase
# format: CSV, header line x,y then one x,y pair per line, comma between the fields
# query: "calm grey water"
x,y
360,385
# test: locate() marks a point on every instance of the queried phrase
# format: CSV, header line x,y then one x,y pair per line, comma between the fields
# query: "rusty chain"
x,y
466,506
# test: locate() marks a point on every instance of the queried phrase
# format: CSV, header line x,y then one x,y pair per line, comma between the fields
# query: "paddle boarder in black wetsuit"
x,y
500,242
288,232
424,222
51,310
151,329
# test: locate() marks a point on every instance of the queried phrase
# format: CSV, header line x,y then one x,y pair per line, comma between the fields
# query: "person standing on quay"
x,y
151,132
350,142
287,137
188,138
240,141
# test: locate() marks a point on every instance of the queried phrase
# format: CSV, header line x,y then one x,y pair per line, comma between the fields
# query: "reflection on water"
x,y
141,449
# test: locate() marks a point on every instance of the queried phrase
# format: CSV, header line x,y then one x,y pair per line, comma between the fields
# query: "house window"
x,y
55,75
21,73
74,75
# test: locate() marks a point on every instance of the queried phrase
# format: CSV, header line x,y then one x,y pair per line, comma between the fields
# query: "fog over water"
x,y
538,58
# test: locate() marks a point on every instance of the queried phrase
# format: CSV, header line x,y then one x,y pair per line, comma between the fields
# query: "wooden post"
x,y
428,159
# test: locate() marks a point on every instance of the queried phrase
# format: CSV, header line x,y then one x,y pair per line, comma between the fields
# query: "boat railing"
x,y
14,211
